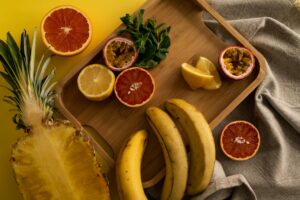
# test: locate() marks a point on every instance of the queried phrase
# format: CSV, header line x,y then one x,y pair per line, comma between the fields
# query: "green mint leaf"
x,y
127,20
139,20
151,39
147,64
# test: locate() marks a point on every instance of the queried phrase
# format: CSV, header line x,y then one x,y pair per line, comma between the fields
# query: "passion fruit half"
x,y
119,53
236,62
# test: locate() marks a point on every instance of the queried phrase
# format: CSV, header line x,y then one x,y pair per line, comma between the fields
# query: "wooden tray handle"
x,y
232,31
64,111
202,4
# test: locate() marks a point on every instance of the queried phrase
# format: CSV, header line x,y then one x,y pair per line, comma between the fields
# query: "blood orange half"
x,y
240,140
134,87
66,30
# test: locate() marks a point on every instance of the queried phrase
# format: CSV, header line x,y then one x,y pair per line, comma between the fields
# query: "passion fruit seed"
x,y
120,53
237,61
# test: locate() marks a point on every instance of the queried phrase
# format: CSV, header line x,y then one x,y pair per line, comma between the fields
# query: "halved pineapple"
x,y
57,163
53,160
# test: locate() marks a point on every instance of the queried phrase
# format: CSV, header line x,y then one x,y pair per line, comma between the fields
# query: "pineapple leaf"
x,y
14,51
31,87
32,59
25,51
9,80
7,61
17,119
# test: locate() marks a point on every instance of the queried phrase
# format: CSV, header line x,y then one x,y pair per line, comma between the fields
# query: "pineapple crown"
x,y
30,86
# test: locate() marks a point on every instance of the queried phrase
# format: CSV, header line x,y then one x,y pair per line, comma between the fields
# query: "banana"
x,y
202,146
128,167
174,153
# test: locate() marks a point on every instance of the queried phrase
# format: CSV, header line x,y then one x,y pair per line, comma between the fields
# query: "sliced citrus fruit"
x,y
119,53
66,30
194,77
237,62
207,67
134,87
96,82
240,140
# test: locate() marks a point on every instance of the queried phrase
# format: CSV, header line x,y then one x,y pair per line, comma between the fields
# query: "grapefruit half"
x,y
134,87
66,30
240,140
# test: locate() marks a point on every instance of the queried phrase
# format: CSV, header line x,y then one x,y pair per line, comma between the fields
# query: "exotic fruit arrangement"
x,y
53,160
118,88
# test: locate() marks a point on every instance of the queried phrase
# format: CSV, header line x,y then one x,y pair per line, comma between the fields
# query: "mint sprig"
x,y
151,39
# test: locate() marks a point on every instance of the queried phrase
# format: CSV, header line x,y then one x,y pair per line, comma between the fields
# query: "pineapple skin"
x,y
57,163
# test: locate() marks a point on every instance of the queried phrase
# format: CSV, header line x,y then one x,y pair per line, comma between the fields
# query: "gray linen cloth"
x,y
273,27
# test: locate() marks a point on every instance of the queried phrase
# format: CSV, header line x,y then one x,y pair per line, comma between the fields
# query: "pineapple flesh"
x,y
53,160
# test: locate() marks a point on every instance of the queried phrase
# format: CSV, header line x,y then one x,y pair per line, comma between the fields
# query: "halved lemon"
x,y
96,82
207,67
194,77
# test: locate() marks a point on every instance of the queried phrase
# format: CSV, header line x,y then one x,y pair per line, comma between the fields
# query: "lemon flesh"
x,y
207,67
194,77
96,82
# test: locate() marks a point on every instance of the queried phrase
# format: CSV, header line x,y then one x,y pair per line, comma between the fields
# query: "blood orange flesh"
x,y
240,140
134,87
66,30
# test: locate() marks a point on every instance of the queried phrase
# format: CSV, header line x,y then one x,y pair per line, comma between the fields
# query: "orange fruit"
x,y
119,53
236,62
240,140
66,31
134,87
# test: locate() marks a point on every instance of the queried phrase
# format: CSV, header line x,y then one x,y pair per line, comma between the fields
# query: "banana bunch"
x,y
201,141
182,177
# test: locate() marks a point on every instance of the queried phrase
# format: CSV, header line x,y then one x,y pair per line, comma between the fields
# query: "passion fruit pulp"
x,y
236,62
119,53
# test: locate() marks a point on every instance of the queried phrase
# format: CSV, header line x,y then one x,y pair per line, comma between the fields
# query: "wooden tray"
x,y
190,39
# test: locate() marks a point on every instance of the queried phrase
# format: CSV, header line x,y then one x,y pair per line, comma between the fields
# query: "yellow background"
x,y
15,16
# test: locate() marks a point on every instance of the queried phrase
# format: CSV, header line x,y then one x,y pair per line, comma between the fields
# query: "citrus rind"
x,y
137,104
239,158
55,50
102,95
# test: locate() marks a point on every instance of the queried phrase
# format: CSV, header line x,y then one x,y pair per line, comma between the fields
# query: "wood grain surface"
x,y
190,38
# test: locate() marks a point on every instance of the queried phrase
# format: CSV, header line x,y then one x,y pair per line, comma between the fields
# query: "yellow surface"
x,y
17,15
